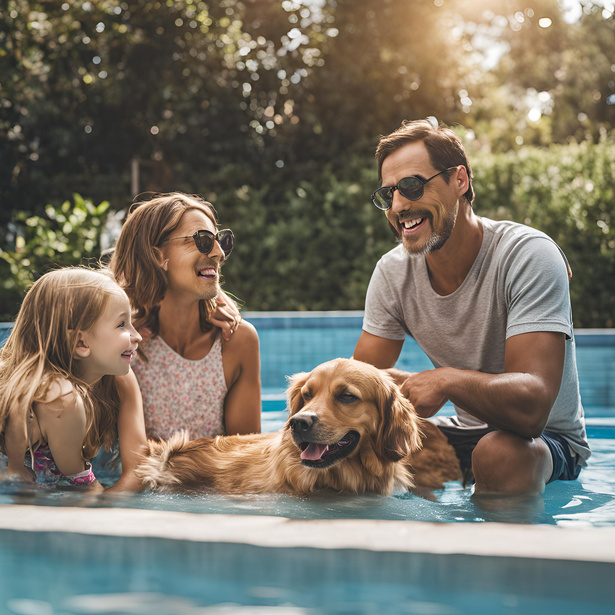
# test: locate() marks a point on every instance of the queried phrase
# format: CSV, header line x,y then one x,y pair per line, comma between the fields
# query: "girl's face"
x,y
190,273
108,347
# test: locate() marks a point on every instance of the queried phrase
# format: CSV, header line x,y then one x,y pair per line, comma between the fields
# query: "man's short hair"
x,y
443,145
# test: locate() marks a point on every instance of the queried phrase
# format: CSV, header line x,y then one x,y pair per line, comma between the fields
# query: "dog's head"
x,y
344,408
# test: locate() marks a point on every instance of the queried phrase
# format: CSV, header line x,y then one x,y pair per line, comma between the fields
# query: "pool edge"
x,y
486,539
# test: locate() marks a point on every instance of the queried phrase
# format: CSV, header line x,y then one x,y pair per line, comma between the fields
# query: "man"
x,y
168,259
489,304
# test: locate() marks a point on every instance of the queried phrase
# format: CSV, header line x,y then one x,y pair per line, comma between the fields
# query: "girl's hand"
x,y
19,473
226,316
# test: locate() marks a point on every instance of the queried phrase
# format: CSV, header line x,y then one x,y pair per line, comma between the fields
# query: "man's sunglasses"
x,y
204,241
411,188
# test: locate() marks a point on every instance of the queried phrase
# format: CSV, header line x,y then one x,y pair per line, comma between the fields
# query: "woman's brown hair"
x,y
136,261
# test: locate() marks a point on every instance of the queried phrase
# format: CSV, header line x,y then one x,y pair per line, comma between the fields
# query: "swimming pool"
x,y
324,554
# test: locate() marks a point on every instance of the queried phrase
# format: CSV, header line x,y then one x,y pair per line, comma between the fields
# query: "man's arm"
x,y
131,432
518,400
242,406
378,351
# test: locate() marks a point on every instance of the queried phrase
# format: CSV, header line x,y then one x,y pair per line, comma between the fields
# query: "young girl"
x,y
66,387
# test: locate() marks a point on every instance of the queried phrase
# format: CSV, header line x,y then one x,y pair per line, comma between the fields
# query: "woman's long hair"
x,y
136,261
41,350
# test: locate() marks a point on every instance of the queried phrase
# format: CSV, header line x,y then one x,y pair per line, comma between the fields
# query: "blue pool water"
x,y
298,342
154,576
61,572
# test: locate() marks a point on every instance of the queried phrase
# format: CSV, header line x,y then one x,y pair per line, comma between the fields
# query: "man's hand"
x,y
226,316
423,390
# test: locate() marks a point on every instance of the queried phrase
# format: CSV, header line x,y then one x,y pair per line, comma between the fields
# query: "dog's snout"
x,y
303,422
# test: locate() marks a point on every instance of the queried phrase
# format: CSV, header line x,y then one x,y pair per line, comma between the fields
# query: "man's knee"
x,y
505,463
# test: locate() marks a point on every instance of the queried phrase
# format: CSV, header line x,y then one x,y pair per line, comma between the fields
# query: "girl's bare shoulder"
x,y
59,397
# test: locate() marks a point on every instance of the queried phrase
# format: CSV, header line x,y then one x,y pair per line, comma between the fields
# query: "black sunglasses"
x,y
204,241
411,188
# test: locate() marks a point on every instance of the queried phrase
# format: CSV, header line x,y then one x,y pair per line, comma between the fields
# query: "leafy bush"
x,y
567,191
69,234
313,245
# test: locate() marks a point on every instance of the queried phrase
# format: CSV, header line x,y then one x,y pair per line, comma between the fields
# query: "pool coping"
x,y
486,539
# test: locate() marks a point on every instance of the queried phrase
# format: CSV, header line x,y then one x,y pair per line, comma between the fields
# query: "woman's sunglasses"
x,y
411,188
204,241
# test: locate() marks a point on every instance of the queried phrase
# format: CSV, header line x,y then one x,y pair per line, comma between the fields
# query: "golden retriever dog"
x,y
349,429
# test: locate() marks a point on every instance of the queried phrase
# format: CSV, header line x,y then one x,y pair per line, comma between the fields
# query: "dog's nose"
x,y
303,422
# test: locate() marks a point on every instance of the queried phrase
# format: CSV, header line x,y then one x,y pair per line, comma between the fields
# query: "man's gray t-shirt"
x,y
517,284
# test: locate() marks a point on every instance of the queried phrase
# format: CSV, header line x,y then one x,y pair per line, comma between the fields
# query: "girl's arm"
x,y
131,432
16,444
62,420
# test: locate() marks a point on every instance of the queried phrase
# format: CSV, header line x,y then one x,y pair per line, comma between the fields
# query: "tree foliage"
x,y
271,109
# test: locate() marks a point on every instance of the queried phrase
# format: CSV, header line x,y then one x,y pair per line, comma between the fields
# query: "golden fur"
x,y
372,432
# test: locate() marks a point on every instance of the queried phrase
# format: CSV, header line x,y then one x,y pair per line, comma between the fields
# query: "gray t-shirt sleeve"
x,y
382,308
536,288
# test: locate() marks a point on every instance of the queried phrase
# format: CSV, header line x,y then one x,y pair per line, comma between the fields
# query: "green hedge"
x,y
567,191
312,244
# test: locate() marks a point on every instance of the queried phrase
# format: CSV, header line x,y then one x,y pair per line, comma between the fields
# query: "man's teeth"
x,y
412,223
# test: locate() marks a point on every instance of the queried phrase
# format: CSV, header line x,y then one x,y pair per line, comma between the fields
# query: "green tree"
x,y
68,234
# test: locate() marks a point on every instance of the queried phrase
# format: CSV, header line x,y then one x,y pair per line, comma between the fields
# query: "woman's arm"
x,y
242,406
131,432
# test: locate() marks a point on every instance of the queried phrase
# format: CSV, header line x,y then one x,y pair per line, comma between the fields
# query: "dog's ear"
x,y
293,393
398,432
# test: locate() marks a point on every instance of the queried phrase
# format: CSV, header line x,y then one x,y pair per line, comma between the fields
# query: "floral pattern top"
x,y
180,393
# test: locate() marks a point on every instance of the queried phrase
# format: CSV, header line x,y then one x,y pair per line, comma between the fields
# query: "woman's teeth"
x,y
208,272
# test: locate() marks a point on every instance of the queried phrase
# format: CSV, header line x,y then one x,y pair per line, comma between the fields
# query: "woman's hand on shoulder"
x,y
226,316
244,336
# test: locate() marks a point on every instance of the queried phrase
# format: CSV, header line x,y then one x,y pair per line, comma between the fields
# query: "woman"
x,y
168,259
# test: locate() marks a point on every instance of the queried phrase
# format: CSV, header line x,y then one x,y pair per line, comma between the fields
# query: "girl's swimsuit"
x,y
47,472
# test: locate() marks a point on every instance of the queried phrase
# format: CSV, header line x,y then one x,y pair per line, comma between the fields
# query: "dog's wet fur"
x,y
349,429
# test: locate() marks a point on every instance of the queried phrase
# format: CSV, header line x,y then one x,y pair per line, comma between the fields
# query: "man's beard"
x,y
437,239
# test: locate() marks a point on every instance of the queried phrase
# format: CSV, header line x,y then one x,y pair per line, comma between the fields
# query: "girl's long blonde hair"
x,y
41,350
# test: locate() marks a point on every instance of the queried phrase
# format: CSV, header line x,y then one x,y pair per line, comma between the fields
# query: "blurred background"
x,y
272,109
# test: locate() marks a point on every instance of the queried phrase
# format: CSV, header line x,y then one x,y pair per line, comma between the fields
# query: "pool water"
x,y
174,578
297,342
588,501
68,571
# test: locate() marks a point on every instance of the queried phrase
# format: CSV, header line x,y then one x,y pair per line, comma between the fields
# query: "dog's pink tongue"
x,y
313,452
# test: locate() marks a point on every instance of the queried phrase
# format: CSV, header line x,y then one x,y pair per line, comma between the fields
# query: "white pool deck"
x,y
485,539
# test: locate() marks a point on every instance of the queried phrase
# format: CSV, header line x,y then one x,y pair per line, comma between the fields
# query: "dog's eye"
x,y
306,396
346,397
